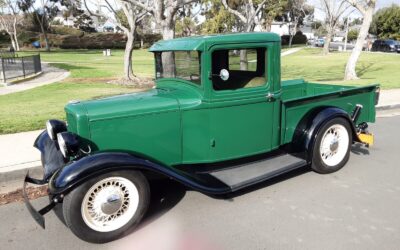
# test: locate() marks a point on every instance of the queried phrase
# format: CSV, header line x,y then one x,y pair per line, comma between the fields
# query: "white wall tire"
x,y
331,149
108,206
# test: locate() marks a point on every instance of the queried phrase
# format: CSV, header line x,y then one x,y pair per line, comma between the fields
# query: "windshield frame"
x,y
158,64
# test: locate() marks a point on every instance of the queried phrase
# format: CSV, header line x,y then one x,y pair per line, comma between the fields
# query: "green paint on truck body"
x,y
180,122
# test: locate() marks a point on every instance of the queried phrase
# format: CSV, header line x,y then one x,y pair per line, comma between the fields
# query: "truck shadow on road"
x,y
359,149
265,184
167,193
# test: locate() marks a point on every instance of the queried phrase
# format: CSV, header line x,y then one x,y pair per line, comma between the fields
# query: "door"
x,y
241,114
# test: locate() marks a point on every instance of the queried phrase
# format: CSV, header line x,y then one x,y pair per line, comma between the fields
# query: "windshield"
x,y
179,64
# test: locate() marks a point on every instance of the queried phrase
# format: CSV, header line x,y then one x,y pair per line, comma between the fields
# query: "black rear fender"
x,y
307,129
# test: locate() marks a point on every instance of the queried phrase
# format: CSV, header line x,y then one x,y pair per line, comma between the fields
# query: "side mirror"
x,y
224,74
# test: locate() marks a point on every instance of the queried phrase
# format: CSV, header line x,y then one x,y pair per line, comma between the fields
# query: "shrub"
x,y
26,38
93,41
352,35
298,38
64,30
149,38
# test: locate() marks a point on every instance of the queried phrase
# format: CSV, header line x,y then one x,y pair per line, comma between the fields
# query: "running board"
x,y
243,175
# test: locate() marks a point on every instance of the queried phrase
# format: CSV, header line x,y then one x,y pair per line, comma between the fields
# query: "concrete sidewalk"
x,y
49,75
18,154
389,99
17,151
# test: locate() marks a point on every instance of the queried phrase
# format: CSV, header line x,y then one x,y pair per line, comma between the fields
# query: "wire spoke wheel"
x,y
110,204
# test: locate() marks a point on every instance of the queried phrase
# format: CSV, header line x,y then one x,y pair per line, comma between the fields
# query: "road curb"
x,y
387,107
12,176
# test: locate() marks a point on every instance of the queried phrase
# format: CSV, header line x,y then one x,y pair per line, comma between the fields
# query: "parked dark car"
x,y
385,45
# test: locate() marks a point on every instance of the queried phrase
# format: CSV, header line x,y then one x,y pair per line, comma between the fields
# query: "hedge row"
x,y
298,38
87,40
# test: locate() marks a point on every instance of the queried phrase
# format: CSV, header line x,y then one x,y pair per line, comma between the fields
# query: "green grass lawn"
x,y
310,64
92,63
28,110
90,70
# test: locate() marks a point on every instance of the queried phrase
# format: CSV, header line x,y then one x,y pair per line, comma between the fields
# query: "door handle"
x,y
270,96
273,96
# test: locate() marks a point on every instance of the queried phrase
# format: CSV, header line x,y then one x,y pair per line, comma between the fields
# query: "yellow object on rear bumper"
x,y
367,139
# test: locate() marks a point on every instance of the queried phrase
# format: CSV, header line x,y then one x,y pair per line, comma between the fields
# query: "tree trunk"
x,y
243,59
327,42
12,41
128,69
350,72
46,40
243,53
268,25
15,34
16,42
168,59
292,34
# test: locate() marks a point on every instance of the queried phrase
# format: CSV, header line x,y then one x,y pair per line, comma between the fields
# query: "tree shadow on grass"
x,y
69,67
367,67
75,51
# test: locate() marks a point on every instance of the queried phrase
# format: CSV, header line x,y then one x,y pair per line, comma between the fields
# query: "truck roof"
x,y
199,42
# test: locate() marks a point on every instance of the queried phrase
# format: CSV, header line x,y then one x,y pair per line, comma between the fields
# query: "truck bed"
x,y
300,97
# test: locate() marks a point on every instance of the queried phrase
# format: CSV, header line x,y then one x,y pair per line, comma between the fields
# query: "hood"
x,y
141,103
80,114
168,98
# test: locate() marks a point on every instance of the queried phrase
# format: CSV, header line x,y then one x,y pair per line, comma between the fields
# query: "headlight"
x,y
62,145
68,144
54,127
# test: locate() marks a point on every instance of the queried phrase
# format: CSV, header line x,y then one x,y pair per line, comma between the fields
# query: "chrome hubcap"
x,y
110,204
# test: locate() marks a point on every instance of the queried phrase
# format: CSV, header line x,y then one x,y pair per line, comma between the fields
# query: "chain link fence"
x,y
16,67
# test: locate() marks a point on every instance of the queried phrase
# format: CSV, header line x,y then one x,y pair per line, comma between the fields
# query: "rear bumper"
x,y
52,160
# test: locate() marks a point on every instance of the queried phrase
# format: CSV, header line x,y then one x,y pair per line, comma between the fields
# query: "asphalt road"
x,y
355,208
335,45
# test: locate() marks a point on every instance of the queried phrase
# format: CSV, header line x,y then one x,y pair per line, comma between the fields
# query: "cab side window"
x,y
246,68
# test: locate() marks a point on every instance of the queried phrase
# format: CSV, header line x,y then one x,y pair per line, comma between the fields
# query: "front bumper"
x,y
52,160
37,215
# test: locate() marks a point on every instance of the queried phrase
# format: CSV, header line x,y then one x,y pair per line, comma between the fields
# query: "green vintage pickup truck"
x,y
219,119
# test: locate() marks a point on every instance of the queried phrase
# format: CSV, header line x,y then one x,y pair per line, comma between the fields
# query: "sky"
x,y
319,15
379,4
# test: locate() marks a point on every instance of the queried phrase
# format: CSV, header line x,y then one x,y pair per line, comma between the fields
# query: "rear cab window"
x,y
246,68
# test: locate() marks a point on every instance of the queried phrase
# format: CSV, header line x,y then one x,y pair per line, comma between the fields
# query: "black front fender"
x,y
52,159
91,166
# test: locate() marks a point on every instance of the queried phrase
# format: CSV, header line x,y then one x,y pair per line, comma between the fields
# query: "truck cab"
x,y
237,81
218,120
